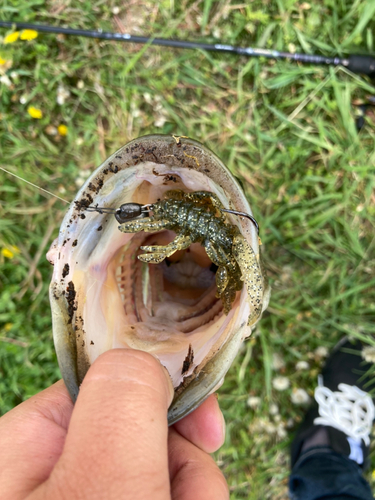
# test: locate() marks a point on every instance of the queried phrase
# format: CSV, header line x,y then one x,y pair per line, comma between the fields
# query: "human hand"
x,y
114,443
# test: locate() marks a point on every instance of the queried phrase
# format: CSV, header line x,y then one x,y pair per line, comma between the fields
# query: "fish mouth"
x,y
166,300
103,297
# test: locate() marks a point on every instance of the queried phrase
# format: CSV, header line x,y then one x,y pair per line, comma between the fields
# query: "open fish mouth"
x,y
103,297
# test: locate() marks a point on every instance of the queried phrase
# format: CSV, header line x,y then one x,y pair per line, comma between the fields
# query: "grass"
x,y
288,131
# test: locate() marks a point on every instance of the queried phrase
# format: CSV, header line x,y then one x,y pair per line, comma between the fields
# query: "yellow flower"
x,y
7,253
8,326
2,61
373,474
28,34
62,129
10,251
12,37
34,112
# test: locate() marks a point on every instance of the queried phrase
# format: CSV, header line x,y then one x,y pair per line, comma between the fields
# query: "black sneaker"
x,y
343,412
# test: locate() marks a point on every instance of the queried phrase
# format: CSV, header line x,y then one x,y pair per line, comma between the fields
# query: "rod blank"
x,y
360,64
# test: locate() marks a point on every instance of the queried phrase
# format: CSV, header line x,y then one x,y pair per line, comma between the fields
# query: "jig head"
x,y
126,211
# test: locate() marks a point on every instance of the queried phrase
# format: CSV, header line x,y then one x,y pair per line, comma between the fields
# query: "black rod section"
x,y
364,64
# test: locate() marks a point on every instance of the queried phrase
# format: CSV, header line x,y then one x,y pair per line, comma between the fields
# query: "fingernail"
x,y
223,427
170,385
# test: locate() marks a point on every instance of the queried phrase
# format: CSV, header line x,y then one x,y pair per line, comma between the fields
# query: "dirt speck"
x,y
65,270
70,295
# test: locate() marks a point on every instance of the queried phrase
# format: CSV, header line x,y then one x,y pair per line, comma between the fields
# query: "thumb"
x,y
116,446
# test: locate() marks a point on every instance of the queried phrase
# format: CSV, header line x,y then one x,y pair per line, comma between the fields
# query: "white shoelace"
x,y
349,410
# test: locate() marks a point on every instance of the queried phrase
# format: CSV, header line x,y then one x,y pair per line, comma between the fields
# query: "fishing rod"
x,y
357,63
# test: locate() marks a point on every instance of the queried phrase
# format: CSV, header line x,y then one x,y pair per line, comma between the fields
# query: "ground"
x,y
287,131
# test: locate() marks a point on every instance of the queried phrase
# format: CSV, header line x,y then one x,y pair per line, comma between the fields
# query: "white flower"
x,y
23,99
116,10
280,431
268,427
277,361
321,352
80,84
302,365
159,122
280,383
260,428
62,95
253,402
5,80
147,97
274,409
216,32
51,130
290,423
79,141
368,354
299,397
134,110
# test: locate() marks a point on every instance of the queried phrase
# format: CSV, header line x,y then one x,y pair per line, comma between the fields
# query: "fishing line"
x,y
126,210
357,63
34,185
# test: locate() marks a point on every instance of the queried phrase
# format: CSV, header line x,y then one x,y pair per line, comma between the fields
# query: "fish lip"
x,y
165,150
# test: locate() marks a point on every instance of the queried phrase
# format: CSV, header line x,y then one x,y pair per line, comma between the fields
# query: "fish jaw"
x,y
96,300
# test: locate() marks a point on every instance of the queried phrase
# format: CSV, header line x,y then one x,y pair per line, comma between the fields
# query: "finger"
x,y
32,437
194,474
116,446
205,426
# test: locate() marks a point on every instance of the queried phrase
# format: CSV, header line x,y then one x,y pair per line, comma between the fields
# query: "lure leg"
x,y
251,275
222,279
149,225
226,287
219,257
160,252
227,298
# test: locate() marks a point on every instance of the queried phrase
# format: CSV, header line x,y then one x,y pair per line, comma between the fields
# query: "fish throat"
x,y
177,295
